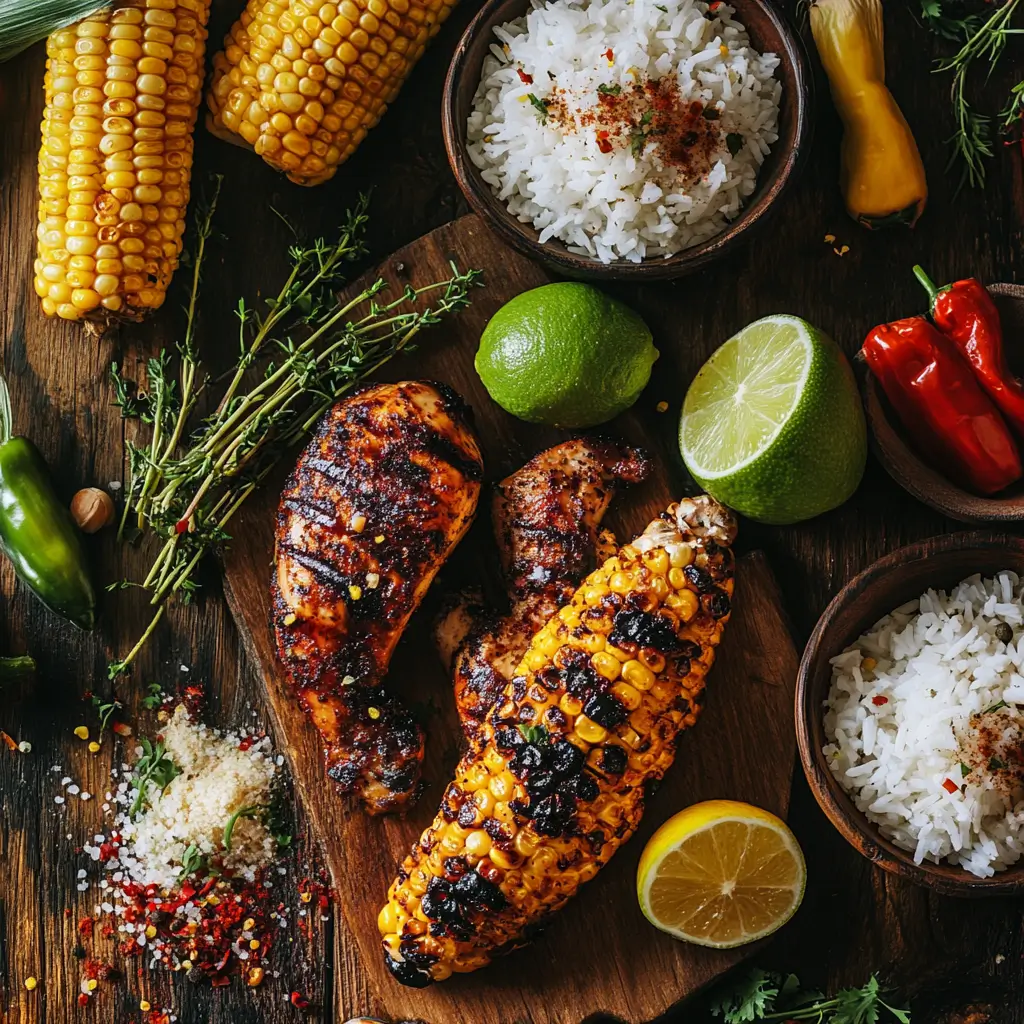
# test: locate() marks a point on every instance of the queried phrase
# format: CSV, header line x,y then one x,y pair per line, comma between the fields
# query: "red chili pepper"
x,y
941,405
964,312
950,786
524,77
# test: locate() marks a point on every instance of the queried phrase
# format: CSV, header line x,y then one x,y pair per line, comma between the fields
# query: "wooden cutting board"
x,y
599,955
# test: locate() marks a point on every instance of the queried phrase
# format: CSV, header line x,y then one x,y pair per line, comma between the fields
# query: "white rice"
x,y
551,171
919,723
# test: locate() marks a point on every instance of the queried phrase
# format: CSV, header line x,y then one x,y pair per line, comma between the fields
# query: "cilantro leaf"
x,y
535,734
748,999
610,90
857,1005
539,104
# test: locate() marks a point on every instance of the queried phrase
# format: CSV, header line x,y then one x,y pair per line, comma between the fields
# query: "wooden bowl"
x,y
769,31
915,475
891,581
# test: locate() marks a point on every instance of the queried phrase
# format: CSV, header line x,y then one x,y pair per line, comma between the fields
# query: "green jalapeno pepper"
x,y
37,532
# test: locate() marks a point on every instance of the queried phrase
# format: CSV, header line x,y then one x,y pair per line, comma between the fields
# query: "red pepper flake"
x,y
608,54
714,5
8,741
245,743
299,1000
878,700
602,142
83,999
181,526
524,77
950,786
121,728
85,926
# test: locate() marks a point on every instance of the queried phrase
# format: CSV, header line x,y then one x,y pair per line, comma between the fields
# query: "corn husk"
x,y
24,22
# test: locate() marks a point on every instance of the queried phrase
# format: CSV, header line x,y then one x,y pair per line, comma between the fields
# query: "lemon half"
x,y
721,874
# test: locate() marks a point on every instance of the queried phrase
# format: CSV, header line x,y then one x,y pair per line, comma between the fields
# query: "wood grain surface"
x,y
855,919
742,748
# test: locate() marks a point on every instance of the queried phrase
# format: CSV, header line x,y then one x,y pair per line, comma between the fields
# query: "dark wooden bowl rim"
x,y
885,585
777,174
912,473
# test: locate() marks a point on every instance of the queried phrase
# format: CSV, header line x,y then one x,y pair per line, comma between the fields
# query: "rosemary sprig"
x,y
972,141
295,360
153,767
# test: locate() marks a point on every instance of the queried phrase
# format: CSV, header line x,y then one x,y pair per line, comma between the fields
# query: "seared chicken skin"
x,y
556,784
547,519
385,490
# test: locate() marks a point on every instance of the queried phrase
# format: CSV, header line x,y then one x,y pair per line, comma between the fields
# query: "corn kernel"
x,y
82,732
621,582
589,731
94,747
144,1005
638,675
478,844
628,695
680,556
684,604
606,665
30,983
657,560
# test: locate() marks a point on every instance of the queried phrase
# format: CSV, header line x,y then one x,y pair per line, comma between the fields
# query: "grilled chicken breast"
x,y
385,490
556,785
547,519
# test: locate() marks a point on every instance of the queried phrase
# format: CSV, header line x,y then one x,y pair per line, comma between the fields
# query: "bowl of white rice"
x,y
910,713
624,139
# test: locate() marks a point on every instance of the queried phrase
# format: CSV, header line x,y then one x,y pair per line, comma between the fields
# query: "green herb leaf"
x,y
648,116
154,766
965,770
995,707
749,998
664,10
192,862
955,28
536,734
254,811
539,105
606,90
735,142
154,698
995,764
711,114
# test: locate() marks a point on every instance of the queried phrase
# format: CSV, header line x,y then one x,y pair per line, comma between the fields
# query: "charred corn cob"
x,y
589,719
302,83
122,94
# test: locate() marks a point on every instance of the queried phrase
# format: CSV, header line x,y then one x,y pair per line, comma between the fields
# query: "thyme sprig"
x,y
971,142
296,357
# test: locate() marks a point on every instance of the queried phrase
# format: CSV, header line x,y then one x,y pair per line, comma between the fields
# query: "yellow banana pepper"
x,y
881,176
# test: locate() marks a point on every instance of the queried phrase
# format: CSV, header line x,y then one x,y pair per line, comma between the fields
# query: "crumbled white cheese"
x,y
217,779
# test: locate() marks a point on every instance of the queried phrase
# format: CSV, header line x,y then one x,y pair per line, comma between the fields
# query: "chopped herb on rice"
x,y
924,725
609,188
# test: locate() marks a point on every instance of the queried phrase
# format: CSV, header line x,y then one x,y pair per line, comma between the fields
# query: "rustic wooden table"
x,y
946,954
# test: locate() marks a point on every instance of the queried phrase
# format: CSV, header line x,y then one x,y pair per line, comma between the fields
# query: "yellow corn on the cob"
x,y
302,83
122,93
590,718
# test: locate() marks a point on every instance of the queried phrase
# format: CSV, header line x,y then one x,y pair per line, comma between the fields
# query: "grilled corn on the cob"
x,y
590,718
303,82
122,94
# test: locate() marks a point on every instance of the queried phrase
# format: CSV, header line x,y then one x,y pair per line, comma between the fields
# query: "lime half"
x,y
772,424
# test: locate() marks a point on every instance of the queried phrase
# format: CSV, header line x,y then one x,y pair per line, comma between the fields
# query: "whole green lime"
x,y
565,355
772,424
